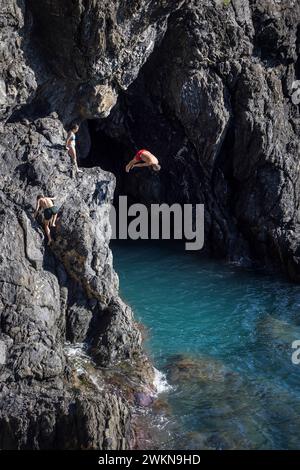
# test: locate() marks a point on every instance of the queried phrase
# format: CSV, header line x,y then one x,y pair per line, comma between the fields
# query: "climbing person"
x,y
143,158
50,212
71,145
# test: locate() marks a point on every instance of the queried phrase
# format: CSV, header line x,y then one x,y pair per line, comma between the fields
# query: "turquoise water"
x,y
222,335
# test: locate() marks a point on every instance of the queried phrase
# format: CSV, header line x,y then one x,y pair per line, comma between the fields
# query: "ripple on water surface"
x,y
223,337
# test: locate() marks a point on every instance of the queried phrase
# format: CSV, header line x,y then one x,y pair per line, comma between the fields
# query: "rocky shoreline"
x,y
68,292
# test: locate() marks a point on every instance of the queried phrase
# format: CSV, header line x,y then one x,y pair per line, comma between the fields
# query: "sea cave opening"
x,y
102,150
99,147
100,144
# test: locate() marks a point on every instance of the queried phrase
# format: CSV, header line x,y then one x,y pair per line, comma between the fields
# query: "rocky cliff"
x,y
209,86
218,102
67,293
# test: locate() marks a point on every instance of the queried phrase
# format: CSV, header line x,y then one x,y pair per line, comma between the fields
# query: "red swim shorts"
x,y
138,156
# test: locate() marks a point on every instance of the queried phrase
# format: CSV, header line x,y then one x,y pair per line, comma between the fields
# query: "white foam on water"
x,y
160,382
94,380
76,349
76,352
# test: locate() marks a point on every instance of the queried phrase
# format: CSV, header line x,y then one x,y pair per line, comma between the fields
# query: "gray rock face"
x,y
217,102
50,296
211,88
68,292
90,50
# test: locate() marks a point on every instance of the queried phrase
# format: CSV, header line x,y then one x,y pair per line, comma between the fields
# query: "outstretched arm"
x,y
130,165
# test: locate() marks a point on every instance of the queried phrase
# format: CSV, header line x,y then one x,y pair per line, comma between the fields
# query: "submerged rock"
x,y
143,400
221,405
181,369
279,333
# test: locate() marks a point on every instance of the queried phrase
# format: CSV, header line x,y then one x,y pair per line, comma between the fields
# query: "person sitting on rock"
x,y
142,159
71,145
50,212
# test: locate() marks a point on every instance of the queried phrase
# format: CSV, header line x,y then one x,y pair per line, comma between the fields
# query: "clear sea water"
x,y
223,336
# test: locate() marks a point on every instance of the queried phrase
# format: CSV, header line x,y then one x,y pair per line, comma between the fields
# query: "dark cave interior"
x,y
109,153
104,151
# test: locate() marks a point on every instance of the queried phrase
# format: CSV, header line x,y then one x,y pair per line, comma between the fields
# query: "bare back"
x,y
148,157
46,202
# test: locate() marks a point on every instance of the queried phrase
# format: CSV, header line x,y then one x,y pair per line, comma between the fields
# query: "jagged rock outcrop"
x,y
68,292
50,296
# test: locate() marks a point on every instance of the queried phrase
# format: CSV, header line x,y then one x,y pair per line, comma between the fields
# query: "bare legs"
x,y
53,220
72,153
134,164
47,230
47,227
130,165
141,165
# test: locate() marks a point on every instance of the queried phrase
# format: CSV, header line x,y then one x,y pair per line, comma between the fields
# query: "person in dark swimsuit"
x,y
143,158
50,212
71,146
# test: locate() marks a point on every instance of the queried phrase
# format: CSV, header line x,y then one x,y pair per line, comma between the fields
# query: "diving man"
x,y
143,158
